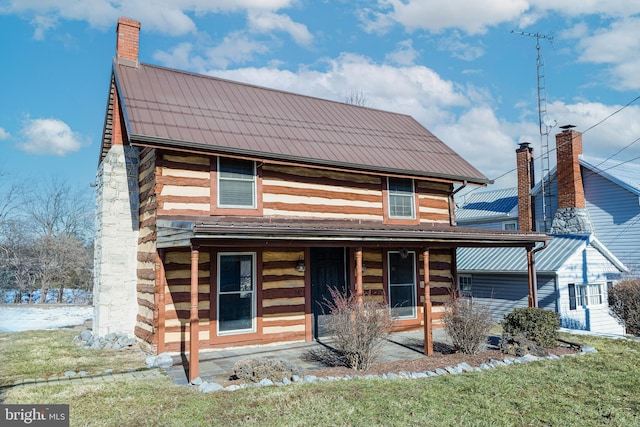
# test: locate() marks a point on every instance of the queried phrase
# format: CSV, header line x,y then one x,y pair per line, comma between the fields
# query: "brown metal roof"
x,y
165,107
182,231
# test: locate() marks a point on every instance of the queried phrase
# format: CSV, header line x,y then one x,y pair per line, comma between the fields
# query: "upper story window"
x,y
236,183
401,198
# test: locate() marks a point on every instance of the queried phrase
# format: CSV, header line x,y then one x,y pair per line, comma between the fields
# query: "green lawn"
x,y
587,390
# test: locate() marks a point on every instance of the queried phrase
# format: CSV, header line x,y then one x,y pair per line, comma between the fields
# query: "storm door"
x,y
328,270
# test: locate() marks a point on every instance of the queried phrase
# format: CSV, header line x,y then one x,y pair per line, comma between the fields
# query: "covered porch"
x,y
283,306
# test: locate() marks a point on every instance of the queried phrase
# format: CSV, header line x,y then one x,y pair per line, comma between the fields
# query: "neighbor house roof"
x,y
485,205
625,174
169,108
514,260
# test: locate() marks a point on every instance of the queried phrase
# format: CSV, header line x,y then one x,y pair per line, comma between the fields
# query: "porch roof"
x,y
180,232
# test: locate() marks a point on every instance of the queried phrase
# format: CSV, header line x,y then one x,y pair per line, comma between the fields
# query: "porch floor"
x,y
217,365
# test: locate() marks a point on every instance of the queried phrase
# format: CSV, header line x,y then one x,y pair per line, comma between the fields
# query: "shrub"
x,y
624,304
467,324
359,330
535,324
258,368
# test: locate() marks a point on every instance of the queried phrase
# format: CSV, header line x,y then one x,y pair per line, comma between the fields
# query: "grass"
x,y
44,354
587,390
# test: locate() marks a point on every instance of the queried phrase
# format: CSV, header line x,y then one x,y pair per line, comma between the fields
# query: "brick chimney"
x,y
571,216
524,161
127,41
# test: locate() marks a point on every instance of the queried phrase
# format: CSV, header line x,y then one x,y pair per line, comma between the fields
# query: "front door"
x,y
328,270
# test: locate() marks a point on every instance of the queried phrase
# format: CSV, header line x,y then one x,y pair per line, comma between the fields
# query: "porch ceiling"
x,y
208,231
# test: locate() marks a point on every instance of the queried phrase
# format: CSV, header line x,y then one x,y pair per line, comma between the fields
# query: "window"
x,y
236,183
402,284
236,292
401,198
465,285
510,226
584,295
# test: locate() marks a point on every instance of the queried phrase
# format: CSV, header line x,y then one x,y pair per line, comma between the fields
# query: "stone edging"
x,y
209,387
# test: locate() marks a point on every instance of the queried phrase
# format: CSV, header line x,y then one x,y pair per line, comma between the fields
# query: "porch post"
x,y
533,280
194,332
428,316
359,289
159,310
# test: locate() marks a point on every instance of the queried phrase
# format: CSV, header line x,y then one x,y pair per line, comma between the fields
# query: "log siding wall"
x,y
146,319
181,185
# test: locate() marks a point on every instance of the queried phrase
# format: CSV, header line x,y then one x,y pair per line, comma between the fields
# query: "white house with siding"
x,y
592,203
573,274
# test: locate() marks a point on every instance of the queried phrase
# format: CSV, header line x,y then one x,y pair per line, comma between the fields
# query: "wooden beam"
x,y
359,288
428,315
194,329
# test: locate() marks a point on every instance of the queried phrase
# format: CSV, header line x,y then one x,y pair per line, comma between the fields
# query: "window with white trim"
x,y
465,285
236,183
402,284
236,293
401,198
584,295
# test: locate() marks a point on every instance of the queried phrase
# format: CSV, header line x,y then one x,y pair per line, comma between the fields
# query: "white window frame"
x,y
401,195
513,224
252,292
222,179
586,295
465,288
413,285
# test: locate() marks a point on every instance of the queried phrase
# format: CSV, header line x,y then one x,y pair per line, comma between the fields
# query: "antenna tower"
x,y
545,125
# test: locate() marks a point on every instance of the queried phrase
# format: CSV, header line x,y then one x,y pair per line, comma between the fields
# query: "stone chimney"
x,y
127,41
524,161
572,216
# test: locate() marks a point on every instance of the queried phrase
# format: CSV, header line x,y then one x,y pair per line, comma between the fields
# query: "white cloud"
x,y
50,136
617,46
4,134
405,54
472,17
166,17
459,49
266,22
235,49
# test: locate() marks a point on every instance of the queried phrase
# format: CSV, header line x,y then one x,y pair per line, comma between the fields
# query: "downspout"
x,y
452,211
533,284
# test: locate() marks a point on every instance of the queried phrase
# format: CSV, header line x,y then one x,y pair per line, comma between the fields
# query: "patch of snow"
x,y
17,318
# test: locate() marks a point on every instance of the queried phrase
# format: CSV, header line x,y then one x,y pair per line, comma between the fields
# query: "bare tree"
x,y
56,223
356,97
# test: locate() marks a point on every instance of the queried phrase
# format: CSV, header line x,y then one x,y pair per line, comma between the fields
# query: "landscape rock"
x,y
209,387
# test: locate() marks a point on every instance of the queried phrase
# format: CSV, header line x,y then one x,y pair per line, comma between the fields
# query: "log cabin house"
x,y
226,211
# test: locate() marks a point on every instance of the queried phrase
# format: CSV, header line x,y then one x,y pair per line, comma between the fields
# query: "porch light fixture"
x,y
300,267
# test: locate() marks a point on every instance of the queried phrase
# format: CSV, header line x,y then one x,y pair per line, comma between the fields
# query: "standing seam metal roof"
x,y
503,260
176,108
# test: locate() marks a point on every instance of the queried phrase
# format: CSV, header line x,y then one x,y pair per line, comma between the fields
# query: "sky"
x,y
463,69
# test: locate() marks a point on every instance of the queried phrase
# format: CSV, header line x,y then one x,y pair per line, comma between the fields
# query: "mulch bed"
x,y
428,363
439,359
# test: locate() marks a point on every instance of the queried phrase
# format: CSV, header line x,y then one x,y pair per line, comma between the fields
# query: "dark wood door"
x,y
328,270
